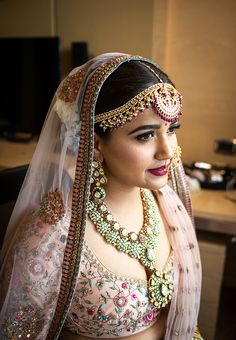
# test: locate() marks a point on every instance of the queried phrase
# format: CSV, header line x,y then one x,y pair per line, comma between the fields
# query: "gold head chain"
x,y
163,97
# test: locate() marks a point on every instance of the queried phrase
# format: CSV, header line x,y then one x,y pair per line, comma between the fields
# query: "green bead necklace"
x,y
140,246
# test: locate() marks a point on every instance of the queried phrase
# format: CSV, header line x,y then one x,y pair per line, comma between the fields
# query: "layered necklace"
x,y
140,246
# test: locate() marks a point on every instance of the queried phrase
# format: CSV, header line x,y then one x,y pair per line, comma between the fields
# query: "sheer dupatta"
x,y
42,248
175,204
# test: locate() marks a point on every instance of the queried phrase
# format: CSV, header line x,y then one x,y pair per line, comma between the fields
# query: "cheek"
x,y
133,156
125,156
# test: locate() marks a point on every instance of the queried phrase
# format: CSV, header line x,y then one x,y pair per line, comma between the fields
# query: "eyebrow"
x,y
145,127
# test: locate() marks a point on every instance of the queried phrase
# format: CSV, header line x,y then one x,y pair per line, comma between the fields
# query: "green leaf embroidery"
x,y
88,302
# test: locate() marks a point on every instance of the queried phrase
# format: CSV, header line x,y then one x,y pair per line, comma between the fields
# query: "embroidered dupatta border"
x,y
179,184
80,196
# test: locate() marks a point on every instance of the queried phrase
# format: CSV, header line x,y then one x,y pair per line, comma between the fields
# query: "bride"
x,y
101,243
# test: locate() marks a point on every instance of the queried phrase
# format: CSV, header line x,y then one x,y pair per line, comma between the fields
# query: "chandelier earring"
x,y
177,157
98,180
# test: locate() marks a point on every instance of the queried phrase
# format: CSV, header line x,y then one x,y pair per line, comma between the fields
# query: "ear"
x,y
98,148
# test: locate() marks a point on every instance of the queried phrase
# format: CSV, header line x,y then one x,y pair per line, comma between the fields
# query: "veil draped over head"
x,y
60,171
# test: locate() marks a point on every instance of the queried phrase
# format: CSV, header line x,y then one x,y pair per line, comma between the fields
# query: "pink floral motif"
x,y
123,285
133,296
149,317
36,267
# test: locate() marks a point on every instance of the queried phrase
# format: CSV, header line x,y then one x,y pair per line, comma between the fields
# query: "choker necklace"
x,y
140,246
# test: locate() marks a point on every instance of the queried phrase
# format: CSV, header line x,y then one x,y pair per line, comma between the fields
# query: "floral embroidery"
x,y
105,305
120,301
133,296
149,317
35,266
51,208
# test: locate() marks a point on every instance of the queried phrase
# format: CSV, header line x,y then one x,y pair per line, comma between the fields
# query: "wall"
x,y
107,26
194,41
26,18
199,52
124,25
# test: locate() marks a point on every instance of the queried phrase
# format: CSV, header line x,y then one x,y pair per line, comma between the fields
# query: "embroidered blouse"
x,y
106,305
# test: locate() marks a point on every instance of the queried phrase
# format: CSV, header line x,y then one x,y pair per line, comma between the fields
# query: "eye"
x,y
145,136
172,128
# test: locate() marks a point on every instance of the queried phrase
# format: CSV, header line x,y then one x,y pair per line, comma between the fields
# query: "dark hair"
x,y
129,79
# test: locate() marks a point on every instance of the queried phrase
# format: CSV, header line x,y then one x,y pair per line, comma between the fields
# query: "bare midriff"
x,y
155,332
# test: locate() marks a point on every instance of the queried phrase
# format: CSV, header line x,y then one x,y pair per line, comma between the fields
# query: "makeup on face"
x,y
161,171
139,153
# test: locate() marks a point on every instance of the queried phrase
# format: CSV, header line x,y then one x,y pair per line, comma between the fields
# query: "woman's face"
x,y
139,153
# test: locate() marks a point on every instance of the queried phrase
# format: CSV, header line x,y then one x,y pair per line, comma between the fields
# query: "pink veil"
x,y
62,161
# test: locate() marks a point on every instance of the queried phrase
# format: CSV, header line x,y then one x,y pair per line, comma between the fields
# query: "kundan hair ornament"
x,y
163,97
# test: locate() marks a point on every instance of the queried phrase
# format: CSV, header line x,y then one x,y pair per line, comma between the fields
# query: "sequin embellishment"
x,y
52,208
23,324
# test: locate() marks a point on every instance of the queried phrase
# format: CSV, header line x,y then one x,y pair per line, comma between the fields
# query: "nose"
x,y
164,150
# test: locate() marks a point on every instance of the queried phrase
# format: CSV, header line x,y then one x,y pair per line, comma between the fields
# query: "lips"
x,y
161,171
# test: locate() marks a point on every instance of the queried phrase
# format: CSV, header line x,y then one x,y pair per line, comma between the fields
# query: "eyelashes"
x,y
150,134
172,128
145,136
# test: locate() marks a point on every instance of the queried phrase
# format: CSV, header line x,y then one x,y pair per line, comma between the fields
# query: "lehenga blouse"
x,y
103,305
106,305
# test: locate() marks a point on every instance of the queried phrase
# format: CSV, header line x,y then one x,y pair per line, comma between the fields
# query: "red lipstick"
x,y
161,171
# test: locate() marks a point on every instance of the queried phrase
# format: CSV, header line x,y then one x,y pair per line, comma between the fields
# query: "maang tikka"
x,y
98,180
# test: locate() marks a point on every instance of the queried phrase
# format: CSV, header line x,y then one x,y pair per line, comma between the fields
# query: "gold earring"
x,y
98,180
177,156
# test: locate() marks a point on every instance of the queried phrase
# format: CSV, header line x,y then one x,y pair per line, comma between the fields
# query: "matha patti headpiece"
x,y
163,97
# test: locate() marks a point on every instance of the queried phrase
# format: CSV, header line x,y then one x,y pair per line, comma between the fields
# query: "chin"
x,y
158,184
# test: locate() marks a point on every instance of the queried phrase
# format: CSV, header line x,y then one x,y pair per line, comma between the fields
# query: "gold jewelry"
x,y
177,156
160,288
197,334
163,97
98,179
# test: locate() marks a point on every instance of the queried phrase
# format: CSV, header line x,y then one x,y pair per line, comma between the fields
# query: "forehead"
x,y
147,117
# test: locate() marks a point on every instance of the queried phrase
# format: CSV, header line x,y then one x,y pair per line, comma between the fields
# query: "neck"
x,y
121,194
125,204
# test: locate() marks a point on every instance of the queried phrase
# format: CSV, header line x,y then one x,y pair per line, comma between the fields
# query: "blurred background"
x,y
195,43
